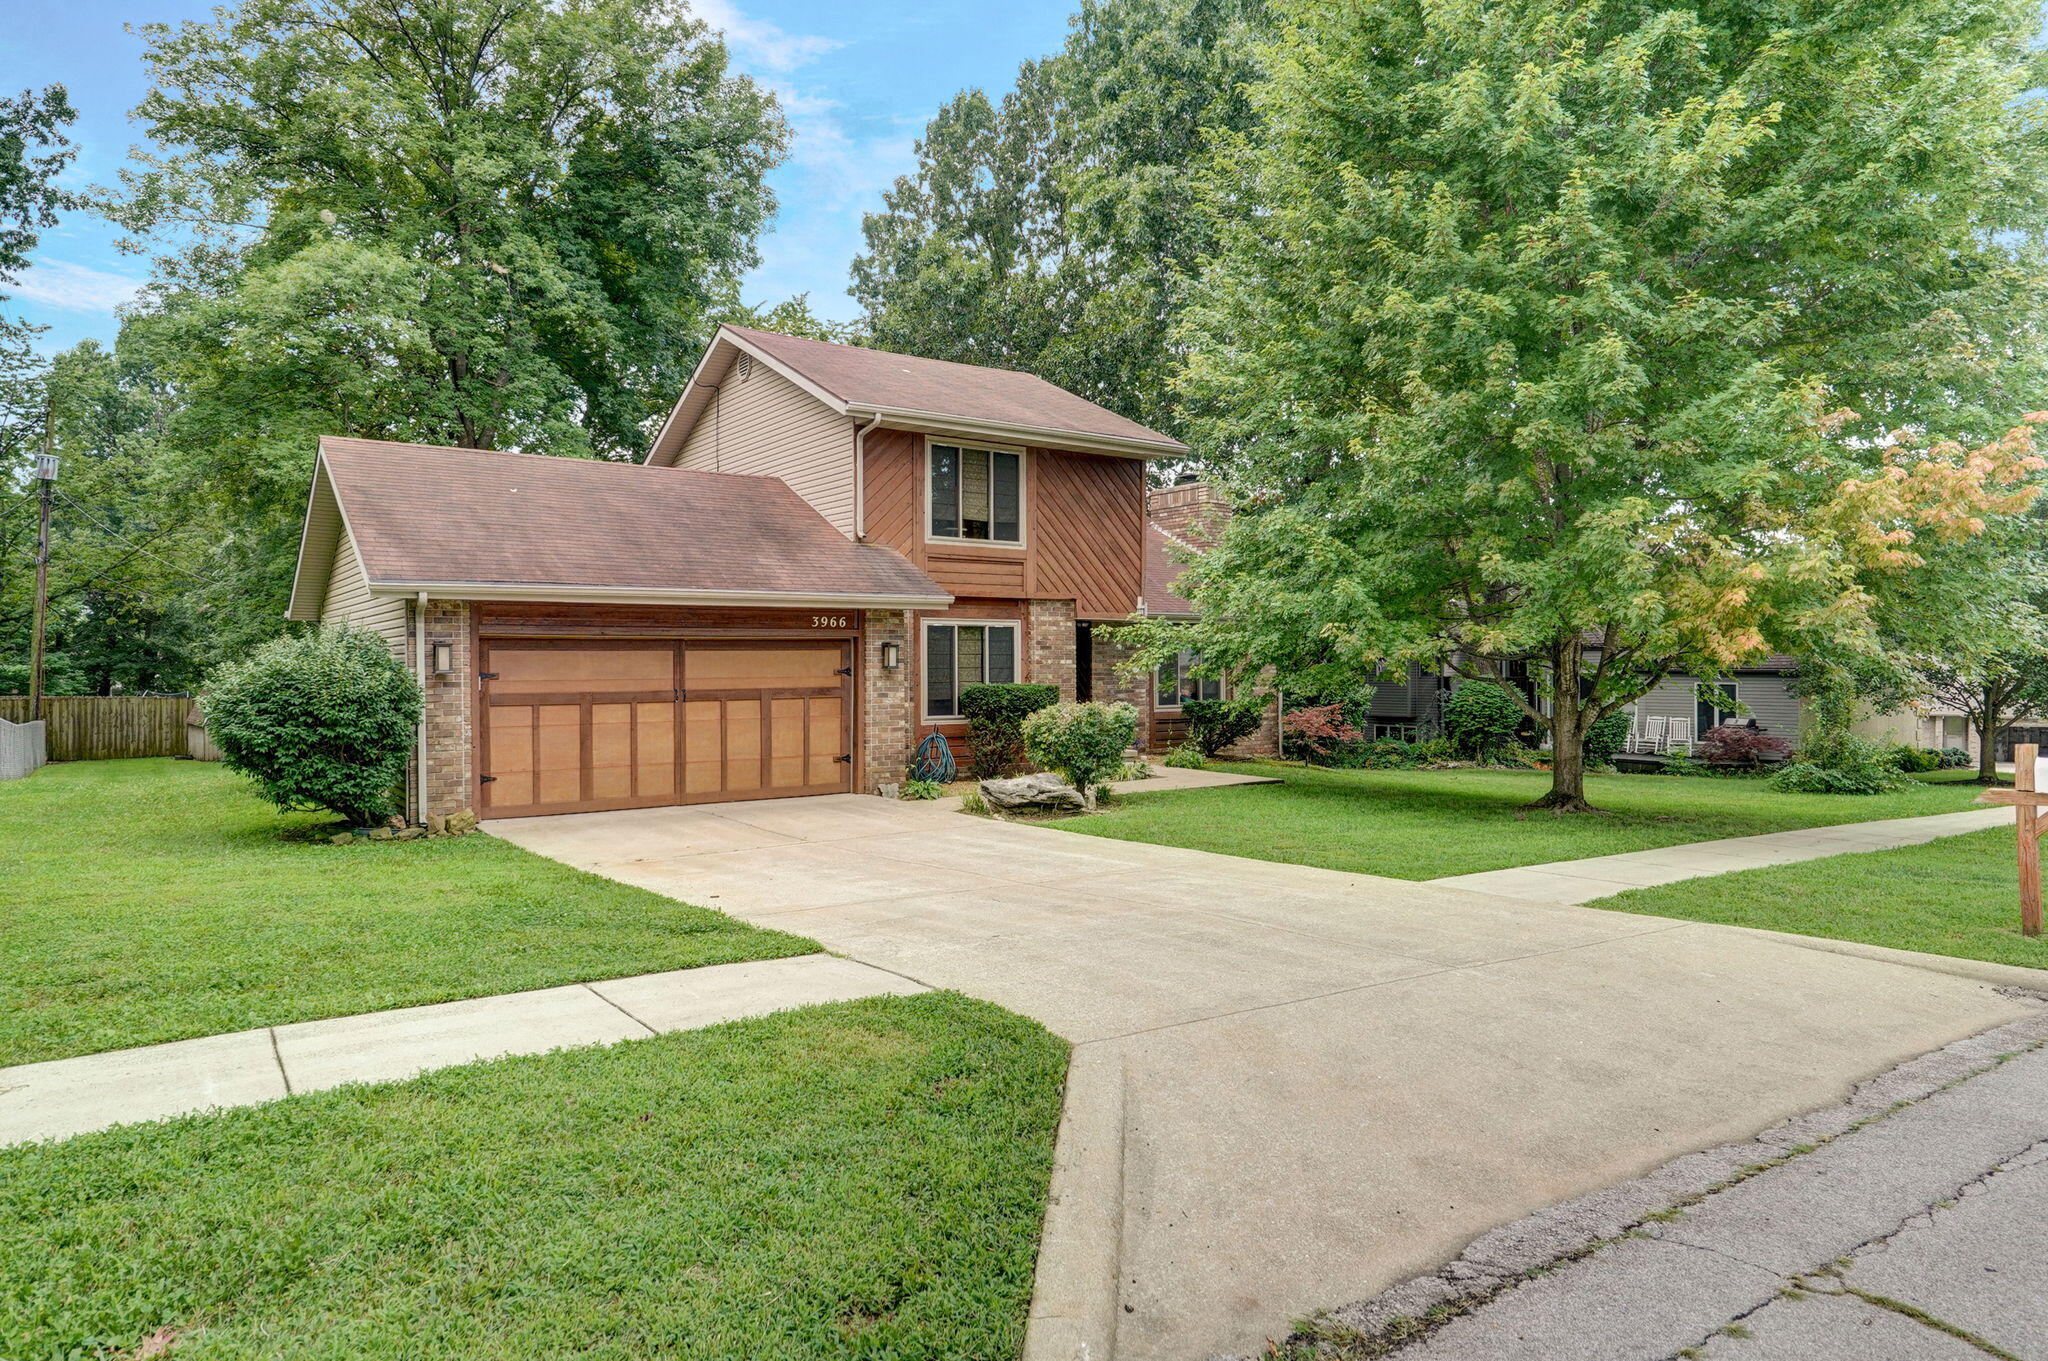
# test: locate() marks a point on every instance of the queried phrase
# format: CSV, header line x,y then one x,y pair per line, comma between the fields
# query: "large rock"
x,y
1032,791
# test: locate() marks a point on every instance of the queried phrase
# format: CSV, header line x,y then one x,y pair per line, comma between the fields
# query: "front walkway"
x,y
1603,876
63,1097
1295,1086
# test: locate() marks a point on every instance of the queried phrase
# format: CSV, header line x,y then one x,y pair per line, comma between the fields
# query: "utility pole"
x,y
46,479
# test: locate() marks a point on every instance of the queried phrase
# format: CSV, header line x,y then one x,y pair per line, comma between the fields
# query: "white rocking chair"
x,y
1680,738
1650,737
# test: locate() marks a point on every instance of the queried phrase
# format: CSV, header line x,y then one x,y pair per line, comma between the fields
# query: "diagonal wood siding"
x,y
106,727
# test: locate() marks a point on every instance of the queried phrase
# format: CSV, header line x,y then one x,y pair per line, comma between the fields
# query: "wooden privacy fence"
x,y
106,727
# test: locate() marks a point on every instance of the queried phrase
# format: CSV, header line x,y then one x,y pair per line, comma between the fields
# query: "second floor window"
x,y
976,494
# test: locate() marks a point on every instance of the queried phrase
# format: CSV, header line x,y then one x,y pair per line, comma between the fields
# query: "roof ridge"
x,y
564,460
899,354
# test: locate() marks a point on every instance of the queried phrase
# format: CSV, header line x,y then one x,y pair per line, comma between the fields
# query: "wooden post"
x,y
2028,822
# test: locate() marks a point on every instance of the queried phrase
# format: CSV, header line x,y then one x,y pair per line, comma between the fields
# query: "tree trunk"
x,y
1567,735
1987,726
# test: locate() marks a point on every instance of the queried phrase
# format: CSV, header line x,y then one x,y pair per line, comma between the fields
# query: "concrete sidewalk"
x,y
1602,876
63,1097
1904,1225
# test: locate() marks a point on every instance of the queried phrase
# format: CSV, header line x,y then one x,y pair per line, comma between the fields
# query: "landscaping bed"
x,y
1427,824
158,900
865,1179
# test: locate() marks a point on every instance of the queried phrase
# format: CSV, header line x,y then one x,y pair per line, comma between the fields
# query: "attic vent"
x,y
746,366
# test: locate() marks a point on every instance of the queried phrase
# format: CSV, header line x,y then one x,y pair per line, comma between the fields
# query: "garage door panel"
x,y
743,722
786,743
703,746
583,670
801,667
558,754
611,751
654,750
826,721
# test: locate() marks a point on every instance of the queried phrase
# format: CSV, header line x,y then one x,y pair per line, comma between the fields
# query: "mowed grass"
x,y
1956,896
146,901
1425,824
861,1180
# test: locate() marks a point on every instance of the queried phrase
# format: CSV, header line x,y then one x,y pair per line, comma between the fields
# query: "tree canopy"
x,y
1623,339
1055,230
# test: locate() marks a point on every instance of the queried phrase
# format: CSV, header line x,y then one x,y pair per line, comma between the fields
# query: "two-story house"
x,y
824,545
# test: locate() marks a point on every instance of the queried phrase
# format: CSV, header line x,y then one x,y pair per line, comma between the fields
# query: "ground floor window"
x,y
1178,683
959,655
1709,715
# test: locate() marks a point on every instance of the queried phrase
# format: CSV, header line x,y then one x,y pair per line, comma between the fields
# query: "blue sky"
x,y
857,80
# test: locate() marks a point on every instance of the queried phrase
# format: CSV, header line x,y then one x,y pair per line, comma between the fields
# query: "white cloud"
x,y
76,288
758,42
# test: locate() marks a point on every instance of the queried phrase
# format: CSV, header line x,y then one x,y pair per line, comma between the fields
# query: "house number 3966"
x,y
828,621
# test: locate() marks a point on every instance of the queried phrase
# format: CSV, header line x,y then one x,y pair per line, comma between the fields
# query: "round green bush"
x,y
1214,724
322,720
1083,742
995,716
1604,740
1481,717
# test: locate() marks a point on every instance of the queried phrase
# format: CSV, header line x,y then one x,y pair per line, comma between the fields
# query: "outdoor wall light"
x,y
892,656
444,658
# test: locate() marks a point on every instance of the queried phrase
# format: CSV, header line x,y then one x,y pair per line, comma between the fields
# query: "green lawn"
x,y
157,900
1955,896
862,1180
1425,824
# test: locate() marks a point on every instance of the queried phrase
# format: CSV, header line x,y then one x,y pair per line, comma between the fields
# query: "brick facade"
x,y
1193,512
451,781
1050,624
888,724
1115,681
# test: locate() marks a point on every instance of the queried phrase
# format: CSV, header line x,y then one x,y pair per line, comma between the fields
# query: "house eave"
x,y
571,593
1043,436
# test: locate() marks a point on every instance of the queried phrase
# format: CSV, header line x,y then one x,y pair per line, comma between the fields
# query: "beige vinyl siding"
x,y
349,601
1770,699
763,425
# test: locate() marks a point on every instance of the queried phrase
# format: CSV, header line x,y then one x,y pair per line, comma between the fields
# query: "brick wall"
x,y
1192,512
1051,662
887,723
1113,682
451,782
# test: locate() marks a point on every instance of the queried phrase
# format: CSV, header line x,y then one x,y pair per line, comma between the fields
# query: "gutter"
x,y
420,766
571,594
860,478
939,421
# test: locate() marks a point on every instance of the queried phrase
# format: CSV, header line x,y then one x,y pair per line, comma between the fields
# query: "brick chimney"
x,y
1190,510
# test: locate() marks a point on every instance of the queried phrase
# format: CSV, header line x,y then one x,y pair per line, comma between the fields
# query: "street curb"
x,y
1981,970
1074,1297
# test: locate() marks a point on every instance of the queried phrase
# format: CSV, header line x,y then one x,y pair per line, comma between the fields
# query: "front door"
x,y
575,726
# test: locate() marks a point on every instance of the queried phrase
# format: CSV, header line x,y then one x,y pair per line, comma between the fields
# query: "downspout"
x,y
860,478
420,765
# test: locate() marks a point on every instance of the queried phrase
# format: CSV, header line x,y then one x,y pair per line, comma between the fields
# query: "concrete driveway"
x,y
1295,1087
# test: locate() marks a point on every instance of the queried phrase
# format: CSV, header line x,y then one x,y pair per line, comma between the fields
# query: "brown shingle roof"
x,y
855,380
420,514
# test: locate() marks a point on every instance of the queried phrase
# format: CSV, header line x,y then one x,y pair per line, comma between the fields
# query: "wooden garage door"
x,y
573,726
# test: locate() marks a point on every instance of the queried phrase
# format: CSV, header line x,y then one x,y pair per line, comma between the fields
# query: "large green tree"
x,y
1619,339
1055,230
499,224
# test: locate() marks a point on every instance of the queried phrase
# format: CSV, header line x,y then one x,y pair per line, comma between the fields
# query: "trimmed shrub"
x,y
1186,756
1604,740
1480,718
1840,764
995,716
1084,742
1742,747
1214,724
321,720
1914,760
1956,758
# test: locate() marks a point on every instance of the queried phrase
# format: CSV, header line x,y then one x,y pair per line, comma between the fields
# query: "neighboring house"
x,y
823,546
